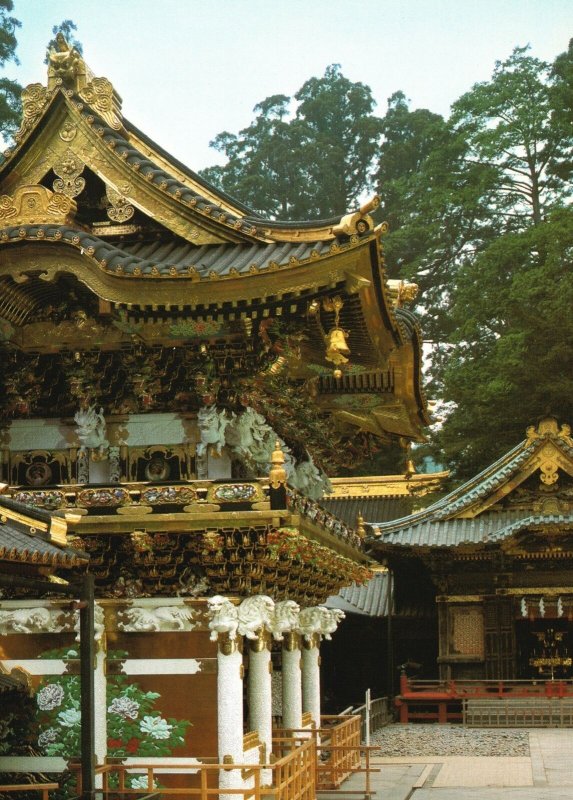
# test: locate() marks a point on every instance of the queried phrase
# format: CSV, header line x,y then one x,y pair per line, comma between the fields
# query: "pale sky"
x,y
189,69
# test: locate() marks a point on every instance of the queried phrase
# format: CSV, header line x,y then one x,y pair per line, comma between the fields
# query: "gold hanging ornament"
x,y
337,348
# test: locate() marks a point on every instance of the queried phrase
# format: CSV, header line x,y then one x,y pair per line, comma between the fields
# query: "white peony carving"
x,y
309,480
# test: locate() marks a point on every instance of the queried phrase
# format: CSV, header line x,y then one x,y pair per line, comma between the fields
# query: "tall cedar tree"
x,y
10,106
316,164
509,358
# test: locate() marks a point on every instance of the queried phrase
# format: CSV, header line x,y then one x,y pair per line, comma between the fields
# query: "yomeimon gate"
x,y
495,557
184,375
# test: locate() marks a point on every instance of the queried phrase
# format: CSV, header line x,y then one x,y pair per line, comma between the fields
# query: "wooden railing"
x,y
339,741
441,701
293,777
43,788
379,715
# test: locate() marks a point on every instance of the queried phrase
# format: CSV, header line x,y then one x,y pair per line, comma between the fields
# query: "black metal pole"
x,y
87,666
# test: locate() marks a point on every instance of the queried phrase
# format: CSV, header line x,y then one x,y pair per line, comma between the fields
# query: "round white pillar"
x,y
230,712
311,679
292,690
260,696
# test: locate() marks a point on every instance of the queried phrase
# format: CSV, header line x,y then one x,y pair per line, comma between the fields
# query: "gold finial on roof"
x,y
277,473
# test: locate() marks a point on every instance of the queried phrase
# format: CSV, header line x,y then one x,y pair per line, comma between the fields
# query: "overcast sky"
x,y
189,69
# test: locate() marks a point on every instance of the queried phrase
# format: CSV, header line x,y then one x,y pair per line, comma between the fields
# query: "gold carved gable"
x,y
543,482
35,204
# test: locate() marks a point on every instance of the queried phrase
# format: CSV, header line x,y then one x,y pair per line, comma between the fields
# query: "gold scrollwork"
x,y
35,204
68,170
120,209
34,98
68,131
100,95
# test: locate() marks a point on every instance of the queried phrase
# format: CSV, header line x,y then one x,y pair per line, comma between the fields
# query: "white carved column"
x,y
224,629
292,681
260,695
311,678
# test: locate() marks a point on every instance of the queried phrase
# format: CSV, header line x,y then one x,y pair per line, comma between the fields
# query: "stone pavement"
x,y
545,774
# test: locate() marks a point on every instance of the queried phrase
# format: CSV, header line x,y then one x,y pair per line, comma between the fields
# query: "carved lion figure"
x,y
319,620
285,618
255,614
212,424
224,617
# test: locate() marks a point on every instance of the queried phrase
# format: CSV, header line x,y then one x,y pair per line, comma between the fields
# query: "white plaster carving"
x,y
285,618
99,623
252,440
319,620
114,470
212,424
91,427
255,614
83,466
308,479
30,620
163,618
224,617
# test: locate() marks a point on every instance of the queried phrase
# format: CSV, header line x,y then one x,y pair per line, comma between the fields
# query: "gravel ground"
x,y
449,740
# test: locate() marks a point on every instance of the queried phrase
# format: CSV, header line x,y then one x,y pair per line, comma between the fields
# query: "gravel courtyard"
x,y
449,740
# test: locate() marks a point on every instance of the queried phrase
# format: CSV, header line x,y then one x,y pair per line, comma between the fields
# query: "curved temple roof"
x,y
528,488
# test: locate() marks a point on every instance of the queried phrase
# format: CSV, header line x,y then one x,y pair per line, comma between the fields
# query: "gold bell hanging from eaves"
x,y
336,346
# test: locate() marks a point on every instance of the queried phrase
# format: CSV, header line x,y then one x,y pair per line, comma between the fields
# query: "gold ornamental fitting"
x,y
291,641
360,529
277,474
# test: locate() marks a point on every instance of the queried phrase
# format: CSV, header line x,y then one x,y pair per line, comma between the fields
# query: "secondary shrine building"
x,y
180,377
494,559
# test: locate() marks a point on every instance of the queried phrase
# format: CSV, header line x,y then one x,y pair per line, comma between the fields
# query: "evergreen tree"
x,y
10,106
316,163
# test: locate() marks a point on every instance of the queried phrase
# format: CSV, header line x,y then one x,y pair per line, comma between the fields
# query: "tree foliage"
x,y
315,163
10,107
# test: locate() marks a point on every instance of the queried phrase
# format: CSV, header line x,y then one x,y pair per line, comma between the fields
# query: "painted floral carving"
x,y
135,727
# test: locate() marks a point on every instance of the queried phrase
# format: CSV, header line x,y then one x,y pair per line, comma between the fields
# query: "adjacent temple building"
x,y
180,377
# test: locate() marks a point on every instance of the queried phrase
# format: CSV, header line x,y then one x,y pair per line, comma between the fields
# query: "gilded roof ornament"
x,y
66,67
68,170
120,209
402,292
34,98
68,70
549,427
35,204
